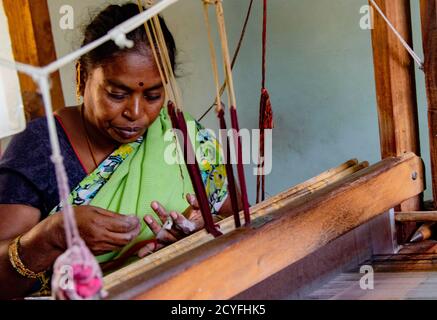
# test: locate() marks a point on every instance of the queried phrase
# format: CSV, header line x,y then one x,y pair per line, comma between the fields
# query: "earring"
x,y
78,81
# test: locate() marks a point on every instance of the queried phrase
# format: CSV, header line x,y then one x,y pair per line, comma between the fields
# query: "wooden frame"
x,y
287,228
396,92
395,81
282,234
32,43
298,229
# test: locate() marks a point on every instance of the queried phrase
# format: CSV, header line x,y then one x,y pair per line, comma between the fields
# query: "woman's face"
x,y
124,97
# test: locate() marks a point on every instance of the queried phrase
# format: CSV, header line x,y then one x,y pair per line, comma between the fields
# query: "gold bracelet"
x,y
18,265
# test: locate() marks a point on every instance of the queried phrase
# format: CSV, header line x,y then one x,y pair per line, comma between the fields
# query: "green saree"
x,y
152,169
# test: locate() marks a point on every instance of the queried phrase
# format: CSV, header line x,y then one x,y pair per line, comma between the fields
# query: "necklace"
x,y
82,114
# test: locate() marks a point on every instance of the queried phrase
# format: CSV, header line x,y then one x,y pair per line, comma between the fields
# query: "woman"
x,y
113,148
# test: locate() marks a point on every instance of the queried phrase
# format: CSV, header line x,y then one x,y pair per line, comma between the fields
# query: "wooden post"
x,y
396,91
429,34
32,43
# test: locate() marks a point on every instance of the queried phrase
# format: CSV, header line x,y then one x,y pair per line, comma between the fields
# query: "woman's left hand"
x,y
174,226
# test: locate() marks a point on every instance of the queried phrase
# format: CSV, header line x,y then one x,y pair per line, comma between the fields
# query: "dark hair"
x,y
106,20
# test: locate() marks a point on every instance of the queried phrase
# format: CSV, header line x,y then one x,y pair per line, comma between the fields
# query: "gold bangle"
x,y
18,265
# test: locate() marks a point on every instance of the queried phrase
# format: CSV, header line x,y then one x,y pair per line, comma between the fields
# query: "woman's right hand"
x,y
102,230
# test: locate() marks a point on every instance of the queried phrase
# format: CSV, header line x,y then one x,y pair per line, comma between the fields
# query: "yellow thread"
x,y
213,57
78,83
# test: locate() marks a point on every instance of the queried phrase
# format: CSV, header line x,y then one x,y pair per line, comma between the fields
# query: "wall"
x,y
320,77
11,108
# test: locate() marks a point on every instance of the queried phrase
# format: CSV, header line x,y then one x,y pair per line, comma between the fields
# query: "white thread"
x,y
161,236
401,39
187,226
168,223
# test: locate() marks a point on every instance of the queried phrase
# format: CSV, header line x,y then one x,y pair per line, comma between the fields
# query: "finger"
x,y
192,200
153,225
110,214
177,218
159,210
165,237
121,223
174,230
116,222
194,216
121,239
183,223
149,248
160,233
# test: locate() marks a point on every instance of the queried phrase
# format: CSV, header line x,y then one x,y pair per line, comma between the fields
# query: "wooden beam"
x,y
429,32
32,43
396,91
260,210
417,216
344,253
395,81
228,265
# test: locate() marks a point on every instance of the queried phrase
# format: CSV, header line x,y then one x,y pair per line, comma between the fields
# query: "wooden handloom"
x,y
308,241
303,240
285,229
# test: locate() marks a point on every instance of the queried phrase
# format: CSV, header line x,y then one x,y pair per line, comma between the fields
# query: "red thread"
x,y
230,171
178,121
240,168
264,44
265,114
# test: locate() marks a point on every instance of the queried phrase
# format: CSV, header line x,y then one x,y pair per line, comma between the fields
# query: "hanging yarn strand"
x,y
264,43
265,114
223,128
178,121
156,28
235,56
213,58
232,108
76,273
196,178
225,52
155,54
399,36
